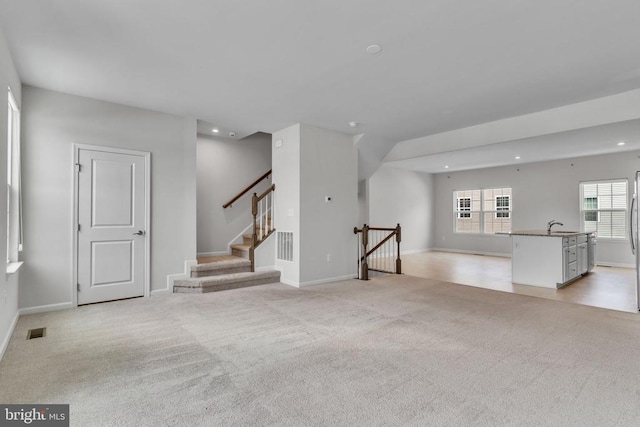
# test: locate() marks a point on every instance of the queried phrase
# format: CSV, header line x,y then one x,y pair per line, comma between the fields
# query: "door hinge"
x,y
78,286
78,227
79,166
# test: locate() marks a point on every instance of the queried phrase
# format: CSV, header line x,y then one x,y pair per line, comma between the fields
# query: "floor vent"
x,y
36,333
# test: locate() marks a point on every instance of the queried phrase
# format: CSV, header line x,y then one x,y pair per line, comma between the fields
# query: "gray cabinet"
x,y
591,251
577,259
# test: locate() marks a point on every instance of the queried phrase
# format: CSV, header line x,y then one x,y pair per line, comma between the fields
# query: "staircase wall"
x,y
224,167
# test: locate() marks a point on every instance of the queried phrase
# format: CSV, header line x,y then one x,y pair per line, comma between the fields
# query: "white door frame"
x,y
147,213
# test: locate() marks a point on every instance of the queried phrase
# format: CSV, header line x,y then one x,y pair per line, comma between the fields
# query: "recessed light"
x,y
353,124
373,49
621,143
517,157
446,167
215,130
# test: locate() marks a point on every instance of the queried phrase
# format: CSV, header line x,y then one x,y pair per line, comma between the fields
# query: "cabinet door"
x,y
583,258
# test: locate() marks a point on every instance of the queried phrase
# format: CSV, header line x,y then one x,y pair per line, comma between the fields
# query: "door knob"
x,y
139,233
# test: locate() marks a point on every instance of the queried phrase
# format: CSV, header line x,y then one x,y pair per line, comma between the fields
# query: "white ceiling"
x,y
590,141
255,65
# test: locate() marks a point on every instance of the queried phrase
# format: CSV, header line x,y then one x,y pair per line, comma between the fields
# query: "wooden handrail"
x,y
363,261
382,242
246,190
265,193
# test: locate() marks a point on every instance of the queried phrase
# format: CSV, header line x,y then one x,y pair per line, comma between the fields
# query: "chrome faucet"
x,y
551,224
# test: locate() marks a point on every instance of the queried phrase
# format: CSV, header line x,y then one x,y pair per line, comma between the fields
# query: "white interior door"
x,y
111,219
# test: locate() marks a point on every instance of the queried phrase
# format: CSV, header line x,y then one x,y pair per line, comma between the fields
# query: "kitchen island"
x,y
551,260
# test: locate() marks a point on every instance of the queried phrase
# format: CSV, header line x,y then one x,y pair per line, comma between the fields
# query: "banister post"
x,y
364,274
398,240
254,236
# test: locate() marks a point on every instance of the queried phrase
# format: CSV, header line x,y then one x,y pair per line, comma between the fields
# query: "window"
x,y
14,235
590,208
464,207
603,208
485,211
503,206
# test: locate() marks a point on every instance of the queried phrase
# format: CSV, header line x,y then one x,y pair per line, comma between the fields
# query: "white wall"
x,y
541,192
329,167
8,284
226,167
52,122
286,176
404,197
313,163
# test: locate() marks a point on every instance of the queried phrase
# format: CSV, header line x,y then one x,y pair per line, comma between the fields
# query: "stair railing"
x,y
384,256
262,211
247,189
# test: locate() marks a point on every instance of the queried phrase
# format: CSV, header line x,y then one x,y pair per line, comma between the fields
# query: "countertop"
x,y
543,233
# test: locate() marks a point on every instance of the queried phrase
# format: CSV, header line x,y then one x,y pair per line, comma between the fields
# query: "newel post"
x,y
254,236
398,240
364,273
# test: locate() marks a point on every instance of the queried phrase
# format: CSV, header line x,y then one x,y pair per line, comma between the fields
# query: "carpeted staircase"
x,y
222,273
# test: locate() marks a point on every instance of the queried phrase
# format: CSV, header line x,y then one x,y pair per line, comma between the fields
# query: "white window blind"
x,y
603,208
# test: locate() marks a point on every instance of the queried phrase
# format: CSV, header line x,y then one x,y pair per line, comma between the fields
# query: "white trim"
x,y
319,282
7,338
171,278
13,267
147,213
463,251
239,236
614,264
159,292
220,253
45,308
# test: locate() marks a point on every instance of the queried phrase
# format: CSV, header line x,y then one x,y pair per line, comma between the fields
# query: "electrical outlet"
x,y
329,257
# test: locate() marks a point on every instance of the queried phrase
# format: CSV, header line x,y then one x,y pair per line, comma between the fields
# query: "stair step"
x,y
225,282
223,265
240,250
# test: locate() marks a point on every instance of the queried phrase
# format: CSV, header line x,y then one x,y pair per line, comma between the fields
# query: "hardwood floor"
x,y
606,287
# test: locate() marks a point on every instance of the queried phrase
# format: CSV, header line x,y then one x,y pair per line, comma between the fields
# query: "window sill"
x,y
13,267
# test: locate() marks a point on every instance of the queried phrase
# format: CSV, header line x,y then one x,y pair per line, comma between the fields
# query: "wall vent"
x,y
285,245
36,333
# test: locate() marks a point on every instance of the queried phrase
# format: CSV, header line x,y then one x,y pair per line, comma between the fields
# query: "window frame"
x,y
599,210
459,212
463,212
13,193
501,209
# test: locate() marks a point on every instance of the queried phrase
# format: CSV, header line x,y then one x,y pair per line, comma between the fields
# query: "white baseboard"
x,y
463,251
7,338
220,253
171,278
614,264
45,308
159,292
319,282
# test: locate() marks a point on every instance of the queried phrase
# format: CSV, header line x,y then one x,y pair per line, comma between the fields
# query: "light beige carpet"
x,y
391,351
